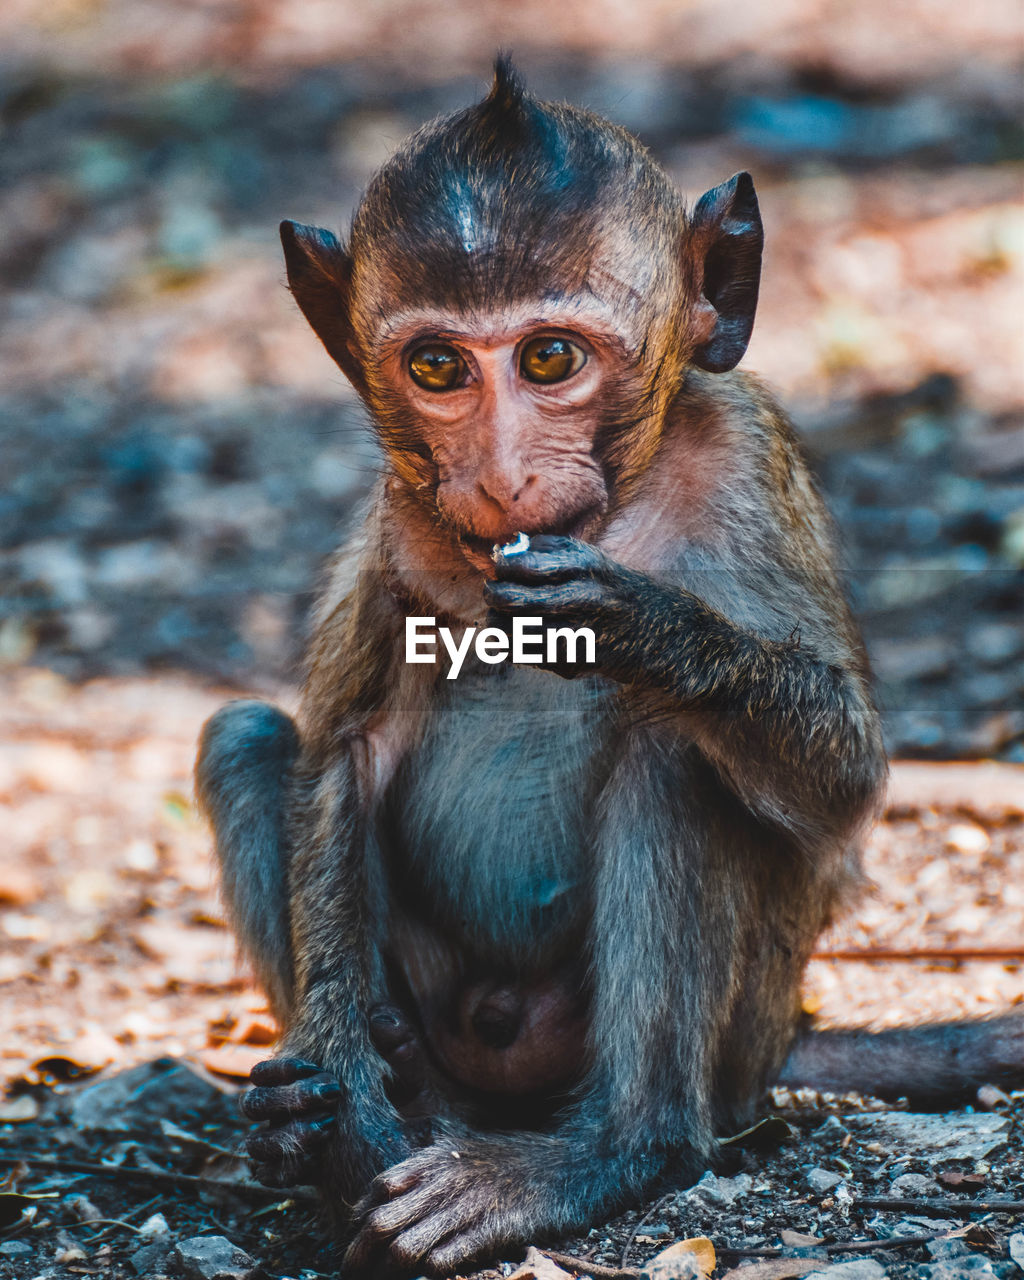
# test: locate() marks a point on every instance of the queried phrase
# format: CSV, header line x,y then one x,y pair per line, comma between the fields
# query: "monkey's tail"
x,y
930,1064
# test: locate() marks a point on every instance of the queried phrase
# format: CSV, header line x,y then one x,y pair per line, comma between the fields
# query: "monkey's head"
x,y
521,297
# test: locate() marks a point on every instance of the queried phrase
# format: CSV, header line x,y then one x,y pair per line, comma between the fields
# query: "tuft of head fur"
x,y
514,198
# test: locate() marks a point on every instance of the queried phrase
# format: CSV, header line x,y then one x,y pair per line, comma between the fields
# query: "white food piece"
x,y
519,544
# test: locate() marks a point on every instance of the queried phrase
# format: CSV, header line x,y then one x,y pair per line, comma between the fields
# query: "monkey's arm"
x,y
796,736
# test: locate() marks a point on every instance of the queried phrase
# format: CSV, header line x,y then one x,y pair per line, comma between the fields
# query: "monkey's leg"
x,y
339,912
666,970
246,755
247,784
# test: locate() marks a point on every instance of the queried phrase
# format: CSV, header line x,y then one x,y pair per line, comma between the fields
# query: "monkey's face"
x,y
500,413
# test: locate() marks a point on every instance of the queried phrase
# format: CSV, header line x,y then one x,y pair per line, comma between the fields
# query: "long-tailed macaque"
x,y
535,934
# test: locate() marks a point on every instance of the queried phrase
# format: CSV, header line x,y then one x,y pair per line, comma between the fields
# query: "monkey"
x,y
535,935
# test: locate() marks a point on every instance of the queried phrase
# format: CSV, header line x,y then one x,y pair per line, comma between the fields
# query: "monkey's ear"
x,y
727,235
320,278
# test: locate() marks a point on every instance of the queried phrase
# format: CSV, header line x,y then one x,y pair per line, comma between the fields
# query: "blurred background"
x,y
178,453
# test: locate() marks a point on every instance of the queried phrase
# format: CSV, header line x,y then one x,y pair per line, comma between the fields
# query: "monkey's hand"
x,y
572,584
300,1102
451,1203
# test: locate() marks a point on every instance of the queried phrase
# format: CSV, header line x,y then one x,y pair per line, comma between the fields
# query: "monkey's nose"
x,y
505,493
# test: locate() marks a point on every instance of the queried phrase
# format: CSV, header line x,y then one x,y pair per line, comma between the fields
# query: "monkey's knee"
x,y
246,754
243,745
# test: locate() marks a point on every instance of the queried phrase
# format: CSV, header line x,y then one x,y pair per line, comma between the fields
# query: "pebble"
x,y
822,1180
858,1269
213,1258
15,1249
927,1136
974,1267
912,1184
137,1099
720,1192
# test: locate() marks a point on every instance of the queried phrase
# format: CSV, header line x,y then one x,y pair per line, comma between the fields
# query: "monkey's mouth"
x,y
483,547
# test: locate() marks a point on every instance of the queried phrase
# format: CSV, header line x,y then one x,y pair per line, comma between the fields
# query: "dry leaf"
x,y
257,1031
18,1110
798,1240
699,1248
234,1060
538,1266
19,887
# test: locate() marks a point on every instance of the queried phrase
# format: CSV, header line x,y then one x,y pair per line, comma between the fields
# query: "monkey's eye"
x,y
551,360
437,367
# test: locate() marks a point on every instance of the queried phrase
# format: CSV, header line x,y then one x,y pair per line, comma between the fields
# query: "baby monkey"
x,y
535,935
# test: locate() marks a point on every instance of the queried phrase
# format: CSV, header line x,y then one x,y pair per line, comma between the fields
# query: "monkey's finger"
x,y
550,559
581,595
282,1070
290,1141
281,1102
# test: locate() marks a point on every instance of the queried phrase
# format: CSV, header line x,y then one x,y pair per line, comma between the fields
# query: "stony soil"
x,y
178,456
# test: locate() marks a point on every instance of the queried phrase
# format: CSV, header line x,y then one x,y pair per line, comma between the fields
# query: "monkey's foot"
x,y
299,1101
443,1207
397,1042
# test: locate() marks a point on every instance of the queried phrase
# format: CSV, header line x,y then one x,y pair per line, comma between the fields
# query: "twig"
x,y
594,1269
117,1172
922,953
942,1206
840,1246
658,1204
600,1272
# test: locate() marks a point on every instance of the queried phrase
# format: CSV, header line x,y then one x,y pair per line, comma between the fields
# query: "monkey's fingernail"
x,y
327,1089
519,544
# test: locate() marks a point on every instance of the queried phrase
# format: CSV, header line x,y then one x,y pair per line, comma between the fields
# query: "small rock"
x,y
990,1097
154,1226
821,1180
833,1130
858,1269
83,1208
213,1258
1016,1243
974,1267
930,1137
15,1249
720,1192
911,1184
138,1099
147,1260
954,1248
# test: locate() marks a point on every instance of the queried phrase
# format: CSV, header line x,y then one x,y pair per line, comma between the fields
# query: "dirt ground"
x,y
178,456
117,958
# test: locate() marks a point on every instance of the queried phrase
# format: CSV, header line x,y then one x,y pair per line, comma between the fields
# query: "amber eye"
x,y
437,367
551,360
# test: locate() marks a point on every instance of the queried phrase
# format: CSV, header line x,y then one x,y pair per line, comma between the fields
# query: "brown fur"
x,y
585,903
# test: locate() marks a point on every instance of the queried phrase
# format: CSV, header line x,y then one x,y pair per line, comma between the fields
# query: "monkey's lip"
x,y
484,546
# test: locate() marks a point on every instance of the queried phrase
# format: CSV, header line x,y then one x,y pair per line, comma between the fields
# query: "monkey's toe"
x,y
288,1154
282,1071
283,1102
398,1043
